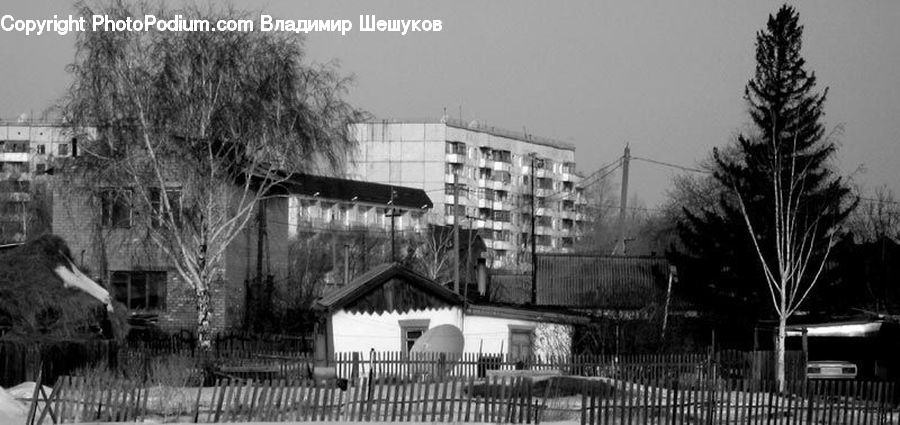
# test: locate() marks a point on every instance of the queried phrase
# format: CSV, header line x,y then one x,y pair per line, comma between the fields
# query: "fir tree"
x,y
788,133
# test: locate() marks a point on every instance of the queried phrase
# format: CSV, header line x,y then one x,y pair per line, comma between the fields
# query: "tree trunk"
x,y
779,353
204,334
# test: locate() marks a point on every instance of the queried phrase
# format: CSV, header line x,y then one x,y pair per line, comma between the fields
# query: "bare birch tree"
x,y
800,253
193,129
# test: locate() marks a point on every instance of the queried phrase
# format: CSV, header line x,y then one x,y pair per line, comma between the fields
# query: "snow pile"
x,y
11,410
25,391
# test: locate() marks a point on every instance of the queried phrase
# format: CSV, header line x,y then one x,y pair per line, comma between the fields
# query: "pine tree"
x,y
788,144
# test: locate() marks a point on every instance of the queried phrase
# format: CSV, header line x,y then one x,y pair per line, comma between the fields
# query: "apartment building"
x,y
493,180
26,150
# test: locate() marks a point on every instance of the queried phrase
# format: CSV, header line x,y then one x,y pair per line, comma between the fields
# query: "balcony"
x,y
543,230
501,205
543,193
450,199
14,156
499,185
450,178
502,245
484,182
569,177
543,172
456,158
484,162
502,166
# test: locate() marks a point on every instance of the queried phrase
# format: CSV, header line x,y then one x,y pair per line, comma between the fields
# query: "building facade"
x,y
493,180
26,151
305,214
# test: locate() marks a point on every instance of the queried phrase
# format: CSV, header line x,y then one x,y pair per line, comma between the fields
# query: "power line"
x,y
879,201
670,165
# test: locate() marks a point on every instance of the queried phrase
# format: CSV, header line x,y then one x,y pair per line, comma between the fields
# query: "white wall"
x,y
492,335
361,332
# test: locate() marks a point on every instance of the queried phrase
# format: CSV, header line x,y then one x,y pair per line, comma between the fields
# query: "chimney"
x,y
74,147
481,276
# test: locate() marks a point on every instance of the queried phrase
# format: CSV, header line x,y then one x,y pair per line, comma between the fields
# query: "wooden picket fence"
x,y
741,402
696,366
497,399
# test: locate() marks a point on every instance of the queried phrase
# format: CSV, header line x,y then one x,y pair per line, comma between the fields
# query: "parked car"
x,y
830,369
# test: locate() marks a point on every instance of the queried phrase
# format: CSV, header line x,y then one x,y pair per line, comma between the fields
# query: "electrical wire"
x,y
670,165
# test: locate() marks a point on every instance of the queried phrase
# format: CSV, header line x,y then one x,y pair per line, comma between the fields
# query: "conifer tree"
x,y
763,245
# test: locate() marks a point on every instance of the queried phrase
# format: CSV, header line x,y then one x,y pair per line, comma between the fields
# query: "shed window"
x,y
410,331
521,343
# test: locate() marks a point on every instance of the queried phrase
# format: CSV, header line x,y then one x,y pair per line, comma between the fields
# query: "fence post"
x,y
354,365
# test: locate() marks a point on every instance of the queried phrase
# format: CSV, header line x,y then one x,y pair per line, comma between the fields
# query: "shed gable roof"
x,y
378,276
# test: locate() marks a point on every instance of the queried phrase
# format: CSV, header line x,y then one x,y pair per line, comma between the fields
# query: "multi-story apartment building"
x,y
26,150
486,174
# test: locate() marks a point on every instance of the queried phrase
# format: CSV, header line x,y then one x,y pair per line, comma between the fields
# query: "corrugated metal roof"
x,y
526,314
590,282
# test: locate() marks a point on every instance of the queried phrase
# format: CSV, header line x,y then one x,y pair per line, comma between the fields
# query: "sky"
x,y
666,78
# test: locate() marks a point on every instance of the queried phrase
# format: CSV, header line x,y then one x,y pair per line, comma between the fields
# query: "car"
x,y
830,369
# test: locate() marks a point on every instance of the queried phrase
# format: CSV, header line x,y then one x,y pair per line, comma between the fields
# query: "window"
x,y
520,343
544,183
140,290
41,149
63,149
40,168
458,148
501,176
159,215
502,156
410,331
116,207
448,189
453,169
501,216
448,209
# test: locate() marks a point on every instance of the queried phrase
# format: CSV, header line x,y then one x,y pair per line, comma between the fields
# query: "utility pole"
x,y
346,264
623,202
393,214
456,233
533,237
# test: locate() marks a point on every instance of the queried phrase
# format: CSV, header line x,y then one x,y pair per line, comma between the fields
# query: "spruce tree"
x,y
720,262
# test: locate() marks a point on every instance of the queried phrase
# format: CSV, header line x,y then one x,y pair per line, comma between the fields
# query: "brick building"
x,y
109,242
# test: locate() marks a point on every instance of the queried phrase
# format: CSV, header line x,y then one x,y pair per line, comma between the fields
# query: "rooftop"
x,y
354,191
480,127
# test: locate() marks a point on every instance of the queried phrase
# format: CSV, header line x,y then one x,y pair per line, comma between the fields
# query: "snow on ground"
x,y
12,411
